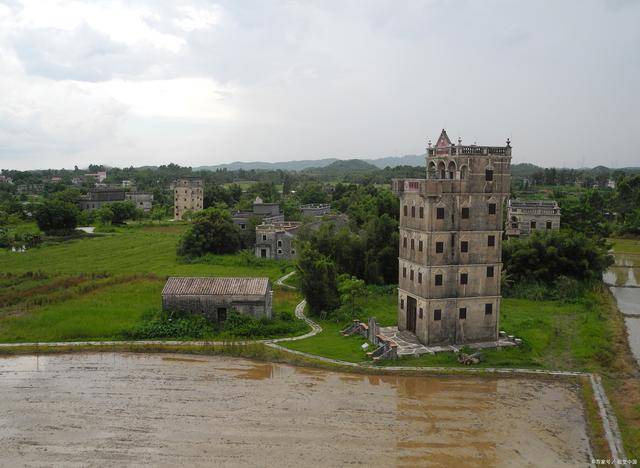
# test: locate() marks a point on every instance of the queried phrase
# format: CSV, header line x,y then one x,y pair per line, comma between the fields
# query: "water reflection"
x,y
240,412
623,278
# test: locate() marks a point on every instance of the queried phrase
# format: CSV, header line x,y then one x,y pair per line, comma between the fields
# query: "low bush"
x,y
167,325
187,326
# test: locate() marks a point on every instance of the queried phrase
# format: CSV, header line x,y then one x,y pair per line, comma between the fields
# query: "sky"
x,y
149,82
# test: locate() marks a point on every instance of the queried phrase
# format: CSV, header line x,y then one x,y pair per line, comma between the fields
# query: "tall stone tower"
x,y
187,195
450,243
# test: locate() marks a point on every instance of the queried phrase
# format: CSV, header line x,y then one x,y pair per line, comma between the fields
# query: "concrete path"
x,y
609,421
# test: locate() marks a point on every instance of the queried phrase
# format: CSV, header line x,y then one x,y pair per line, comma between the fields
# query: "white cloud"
x,y
197,82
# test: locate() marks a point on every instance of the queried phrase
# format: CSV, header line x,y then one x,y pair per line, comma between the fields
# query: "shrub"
x,y
167,325
57,217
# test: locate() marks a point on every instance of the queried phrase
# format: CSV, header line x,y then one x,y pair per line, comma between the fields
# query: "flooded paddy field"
x,y
130,409
623,279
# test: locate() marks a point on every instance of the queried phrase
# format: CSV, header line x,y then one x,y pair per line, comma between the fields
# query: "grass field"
x,y
330,343
626,246
556,335
94,288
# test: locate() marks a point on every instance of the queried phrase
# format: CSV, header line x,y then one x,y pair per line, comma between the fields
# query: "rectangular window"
x,y
419,278
404,242
439,247
264,237
420,312
548,224
492,208
490,272
421,212
404,272
405,210
437,314
462,313
420,245
491,241
413,211
488,309
438,280
464,278
465,213
439,213
488,175
533,224
464,246
413,244
411,275
402,304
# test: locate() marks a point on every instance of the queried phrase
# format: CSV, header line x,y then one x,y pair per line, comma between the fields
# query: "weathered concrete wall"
x,y
256,306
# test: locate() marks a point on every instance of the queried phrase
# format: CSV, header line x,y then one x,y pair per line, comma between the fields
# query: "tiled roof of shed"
x,y
195,286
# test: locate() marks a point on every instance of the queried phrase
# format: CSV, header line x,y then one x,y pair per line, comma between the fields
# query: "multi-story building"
x,y
450,243
276,240
97,198
526,216
187,196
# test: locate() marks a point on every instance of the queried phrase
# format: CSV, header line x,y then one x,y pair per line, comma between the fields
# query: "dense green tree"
x,y
318,280
57,217
212,231
123,211
546,256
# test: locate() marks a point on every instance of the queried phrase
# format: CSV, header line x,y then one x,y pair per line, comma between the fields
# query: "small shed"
x,y
215,297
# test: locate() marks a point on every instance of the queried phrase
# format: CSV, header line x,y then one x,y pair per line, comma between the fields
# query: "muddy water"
x,y
624,280
130,409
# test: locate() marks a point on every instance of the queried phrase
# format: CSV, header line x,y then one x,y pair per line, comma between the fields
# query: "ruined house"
x,y
98,197
276,240
525,217
142,200
215,297
261,211
187,196
315,209
450,243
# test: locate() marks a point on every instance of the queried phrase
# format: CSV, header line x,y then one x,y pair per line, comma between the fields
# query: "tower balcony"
x,y
429,187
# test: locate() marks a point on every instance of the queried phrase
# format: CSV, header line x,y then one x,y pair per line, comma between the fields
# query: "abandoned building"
x,y
216,297
315,209
187,196
142,200
261,211
98,197
450,243
275,240
524,217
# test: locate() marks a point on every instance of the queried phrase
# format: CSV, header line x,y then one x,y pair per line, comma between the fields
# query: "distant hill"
x,y
391,161
342,167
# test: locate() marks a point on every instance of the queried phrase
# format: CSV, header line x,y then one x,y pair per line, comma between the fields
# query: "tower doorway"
x,y
411,313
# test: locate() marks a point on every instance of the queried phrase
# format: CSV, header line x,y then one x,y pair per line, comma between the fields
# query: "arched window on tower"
x,y
441,170
451,170
463,172
431,171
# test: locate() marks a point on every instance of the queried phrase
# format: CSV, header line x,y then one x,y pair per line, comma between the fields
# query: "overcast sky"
x,y
202,83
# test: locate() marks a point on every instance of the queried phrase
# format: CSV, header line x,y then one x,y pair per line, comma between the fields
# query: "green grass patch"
x,y
100,314
78,289
626,246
